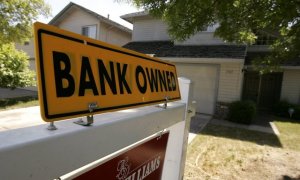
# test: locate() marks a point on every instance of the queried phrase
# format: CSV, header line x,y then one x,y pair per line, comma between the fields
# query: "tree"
x,y
16,18
239,21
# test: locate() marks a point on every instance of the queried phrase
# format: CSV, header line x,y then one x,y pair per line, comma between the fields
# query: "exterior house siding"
x,y
229,78
29,48
149,30
204,48
114,36
202,38
230,82
291,86
76,20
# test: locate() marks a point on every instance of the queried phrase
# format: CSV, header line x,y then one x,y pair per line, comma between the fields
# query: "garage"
x,y
204,79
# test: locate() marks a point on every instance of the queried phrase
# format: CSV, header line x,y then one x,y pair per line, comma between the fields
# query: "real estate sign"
x,y
143,162
75,72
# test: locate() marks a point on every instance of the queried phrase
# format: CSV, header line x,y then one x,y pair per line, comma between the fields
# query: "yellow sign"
x,y
75,71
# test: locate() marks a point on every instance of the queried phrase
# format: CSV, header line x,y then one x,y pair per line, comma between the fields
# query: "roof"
x,y
168,49
151,47
61,15
129,17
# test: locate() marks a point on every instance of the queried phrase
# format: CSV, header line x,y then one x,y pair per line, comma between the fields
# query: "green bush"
x,y
242,112
296,114
281,108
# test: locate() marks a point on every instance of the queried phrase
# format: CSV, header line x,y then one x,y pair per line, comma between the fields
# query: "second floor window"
x,y
89,31
264,38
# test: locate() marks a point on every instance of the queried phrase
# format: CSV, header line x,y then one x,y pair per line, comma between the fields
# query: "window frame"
x,y
88,28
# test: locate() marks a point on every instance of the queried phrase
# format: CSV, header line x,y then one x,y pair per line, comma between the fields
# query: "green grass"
x,y
220,152
242,134
21,102
289,133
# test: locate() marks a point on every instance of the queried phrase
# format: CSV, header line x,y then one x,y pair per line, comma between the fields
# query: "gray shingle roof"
x,y
150,47
168,49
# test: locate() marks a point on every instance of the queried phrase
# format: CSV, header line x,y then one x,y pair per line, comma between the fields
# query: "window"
x,y
264,38
26,43
89,31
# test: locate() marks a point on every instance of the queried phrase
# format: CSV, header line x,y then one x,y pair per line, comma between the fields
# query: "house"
x,y
80,20
220,71
83,21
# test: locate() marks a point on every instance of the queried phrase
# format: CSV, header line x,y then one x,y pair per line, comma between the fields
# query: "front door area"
x,y
262,89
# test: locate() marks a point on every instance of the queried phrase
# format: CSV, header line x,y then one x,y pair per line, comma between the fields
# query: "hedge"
x,y
242,112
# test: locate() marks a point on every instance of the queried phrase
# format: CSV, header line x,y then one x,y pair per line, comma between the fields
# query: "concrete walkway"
x,y
198,122
272,129
20,118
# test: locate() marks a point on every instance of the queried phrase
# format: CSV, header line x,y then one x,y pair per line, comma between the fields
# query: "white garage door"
x,y
204,79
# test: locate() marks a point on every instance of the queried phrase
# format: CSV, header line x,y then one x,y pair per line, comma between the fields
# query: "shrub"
x,y
296,114
242,112
14,67
281,108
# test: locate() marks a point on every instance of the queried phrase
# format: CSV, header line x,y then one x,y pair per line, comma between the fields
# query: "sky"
x,y
102,7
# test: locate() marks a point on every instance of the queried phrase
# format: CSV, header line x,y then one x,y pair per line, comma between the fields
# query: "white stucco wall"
x,y
290,90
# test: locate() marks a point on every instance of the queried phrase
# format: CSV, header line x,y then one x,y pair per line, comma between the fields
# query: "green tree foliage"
x,y
16,18
14,68
239,21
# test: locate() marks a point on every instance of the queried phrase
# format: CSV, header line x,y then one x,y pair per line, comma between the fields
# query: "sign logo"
x,y
74,71
143,162
123,169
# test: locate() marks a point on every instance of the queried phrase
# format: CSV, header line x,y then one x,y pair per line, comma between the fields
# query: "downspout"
x,y
107,33
259,90
244,70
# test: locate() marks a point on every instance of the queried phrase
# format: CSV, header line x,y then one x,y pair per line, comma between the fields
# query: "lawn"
x,y
220,152
289,133
21,102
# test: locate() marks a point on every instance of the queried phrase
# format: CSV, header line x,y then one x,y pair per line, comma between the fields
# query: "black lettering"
x,y
122,78
168,81
173,81
139,70
162,81
110,79
86,70
60,74
152,79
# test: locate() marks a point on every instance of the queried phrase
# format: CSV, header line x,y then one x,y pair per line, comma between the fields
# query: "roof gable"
x,y
72,6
